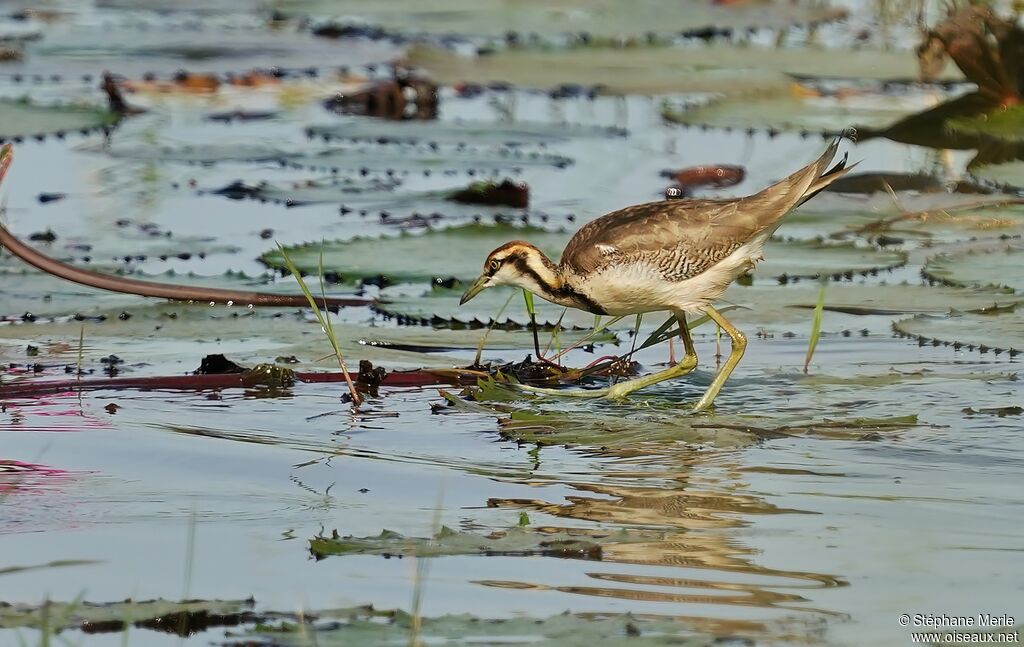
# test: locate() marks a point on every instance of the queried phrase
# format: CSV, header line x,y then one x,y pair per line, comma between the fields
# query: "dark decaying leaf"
x,y
182,618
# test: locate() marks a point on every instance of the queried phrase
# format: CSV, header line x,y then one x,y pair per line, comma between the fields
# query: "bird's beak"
x,y
479,286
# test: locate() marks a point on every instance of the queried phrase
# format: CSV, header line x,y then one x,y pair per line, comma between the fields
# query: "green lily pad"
x,y
630,430
22,118
856,306
384,158
373,628
194,154
605,18
479,133
717,68
186,617
940,216
811,259
999,332
440,306
572,544
1008,174
432,340
1006,124
1000,267
816,114
87,46
415,257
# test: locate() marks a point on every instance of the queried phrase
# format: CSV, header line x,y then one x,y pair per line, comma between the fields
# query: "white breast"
x,y
638,287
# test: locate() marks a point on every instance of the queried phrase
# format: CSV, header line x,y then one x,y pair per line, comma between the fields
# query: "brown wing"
x,y
686,237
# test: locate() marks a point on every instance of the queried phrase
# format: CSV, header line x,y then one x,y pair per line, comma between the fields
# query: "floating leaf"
x,y
1002,267
430,340
159,48
813,114
1006,124
194,154
374,628
938,216
663,70
1003,331
416,257
441,306
772,307
1009,174
479,133
598,18
630,430
329,190
390,158
184,618
23,119
809,259
573,544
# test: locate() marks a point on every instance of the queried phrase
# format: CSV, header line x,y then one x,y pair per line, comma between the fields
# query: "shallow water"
x,y
884,482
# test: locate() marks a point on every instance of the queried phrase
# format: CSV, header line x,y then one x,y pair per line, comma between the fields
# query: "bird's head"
x,y
516,263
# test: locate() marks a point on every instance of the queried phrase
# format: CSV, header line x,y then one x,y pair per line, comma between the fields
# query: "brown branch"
x,y
154,289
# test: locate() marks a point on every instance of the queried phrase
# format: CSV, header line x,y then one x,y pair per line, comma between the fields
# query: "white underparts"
x,y
639,287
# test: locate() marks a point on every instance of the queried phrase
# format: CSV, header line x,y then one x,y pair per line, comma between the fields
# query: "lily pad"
x,y
999,332
317,191
162,49
522,542
22,118
630,430
184,617
1008,174
479,133
431,340
373,628
387,158
415,257
716,68
599,17
1001,267
935,216
194,154
440,306
868,305
1006,124
811,259
828,115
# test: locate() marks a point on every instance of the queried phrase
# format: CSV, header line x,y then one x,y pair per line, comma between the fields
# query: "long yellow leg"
x,y
622,389
739,345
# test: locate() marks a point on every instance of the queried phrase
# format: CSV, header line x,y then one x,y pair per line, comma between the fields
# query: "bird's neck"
x,y
545,279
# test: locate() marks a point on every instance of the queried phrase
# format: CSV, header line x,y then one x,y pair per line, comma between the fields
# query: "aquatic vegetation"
x,y
997,331
412,257
202,443
994,267
22,119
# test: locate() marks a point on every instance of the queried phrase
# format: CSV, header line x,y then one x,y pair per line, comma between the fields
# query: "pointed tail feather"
x,y
774,202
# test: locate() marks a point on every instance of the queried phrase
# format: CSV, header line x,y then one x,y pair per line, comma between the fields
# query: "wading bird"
x,y
675,255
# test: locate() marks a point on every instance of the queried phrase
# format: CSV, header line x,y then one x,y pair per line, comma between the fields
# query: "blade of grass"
x,y
421,572
494,322
555,335
819,309
325,323
81,349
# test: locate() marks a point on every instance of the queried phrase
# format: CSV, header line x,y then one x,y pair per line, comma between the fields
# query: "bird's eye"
x,y
495,265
